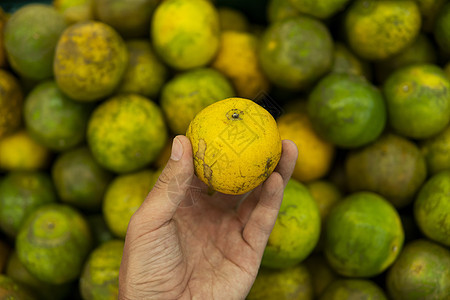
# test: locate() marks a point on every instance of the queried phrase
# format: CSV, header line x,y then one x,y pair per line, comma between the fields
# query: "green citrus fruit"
x,y
442,28
298,216
53,243
322,275
30,36
291,283
145,74
11,99
53,119
376,235
436,151
126,132
99,229
418,100
432,208
321,9
80,181
90,60
353,289
278,10
100,277
295,52
392,166
10,289
379,29
347,110
75,10
188,93
123,197
422,271
21,193
346,62
186,32
130,19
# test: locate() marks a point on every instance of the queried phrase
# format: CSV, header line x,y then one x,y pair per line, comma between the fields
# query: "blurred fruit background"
x,y
92,92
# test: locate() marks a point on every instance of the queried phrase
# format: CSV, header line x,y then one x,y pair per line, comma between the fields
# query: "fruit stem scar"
x,y
235,115
50,225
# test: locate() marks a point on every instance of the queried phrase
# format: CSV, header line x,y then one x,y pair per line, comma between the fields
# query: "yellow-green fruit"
x,y
232,19
19,151
145,74
17,271
186,32
376,235
418,100
53,119
31,35
79,180
386,165
123,197
10,289
90,60
346,62
75,10
436,151
126,132
298,217
432,208
21,193
278,10
326,195
53,243
422,271
100,277
10,103
295,52
315,155
442,28
291,283
236,145
237,59
321,273
379,29
321,9
130,19
188,93
353,289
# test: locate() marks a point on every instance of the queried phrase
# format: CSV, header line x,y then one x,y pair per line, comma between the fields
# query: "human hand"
x,y
183,243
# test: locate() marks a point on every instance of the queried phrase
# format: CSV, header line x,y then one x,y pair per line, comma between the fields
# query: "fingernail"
x,y
177,150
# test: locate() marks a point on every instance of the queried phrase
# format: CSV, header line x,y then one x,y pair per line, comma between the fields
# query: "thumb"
x,y
171,186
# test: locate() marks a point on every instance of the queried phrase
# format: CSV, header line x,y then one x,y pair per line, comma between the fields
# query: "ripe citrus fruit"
x,y
90,60
379,29
315,155
126,132
10,289
436,151
346,62
123,197
385,165
21,193
376,235
321,9
353,289
30,36
236,145
298,216
80,181
53,119
10,103
19,151
100,277
145,74
295,52
237,59
53,243
75,10
188,93
347,110
442,28
418,100
186,32
321,273
291,283
130,19
422,271
278,10
232,19
432,208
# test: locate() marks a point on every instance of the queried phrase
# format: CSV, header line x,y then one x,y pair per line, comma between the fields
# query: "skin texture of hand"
x,y
183,243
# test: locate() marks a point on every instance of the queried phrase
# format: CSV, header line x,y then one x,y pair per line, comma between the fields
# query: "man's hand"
x,y
185,244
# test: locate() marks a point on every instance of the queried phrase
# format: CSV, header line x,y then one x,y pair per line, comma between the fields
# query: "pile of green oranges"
x,y
93,91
